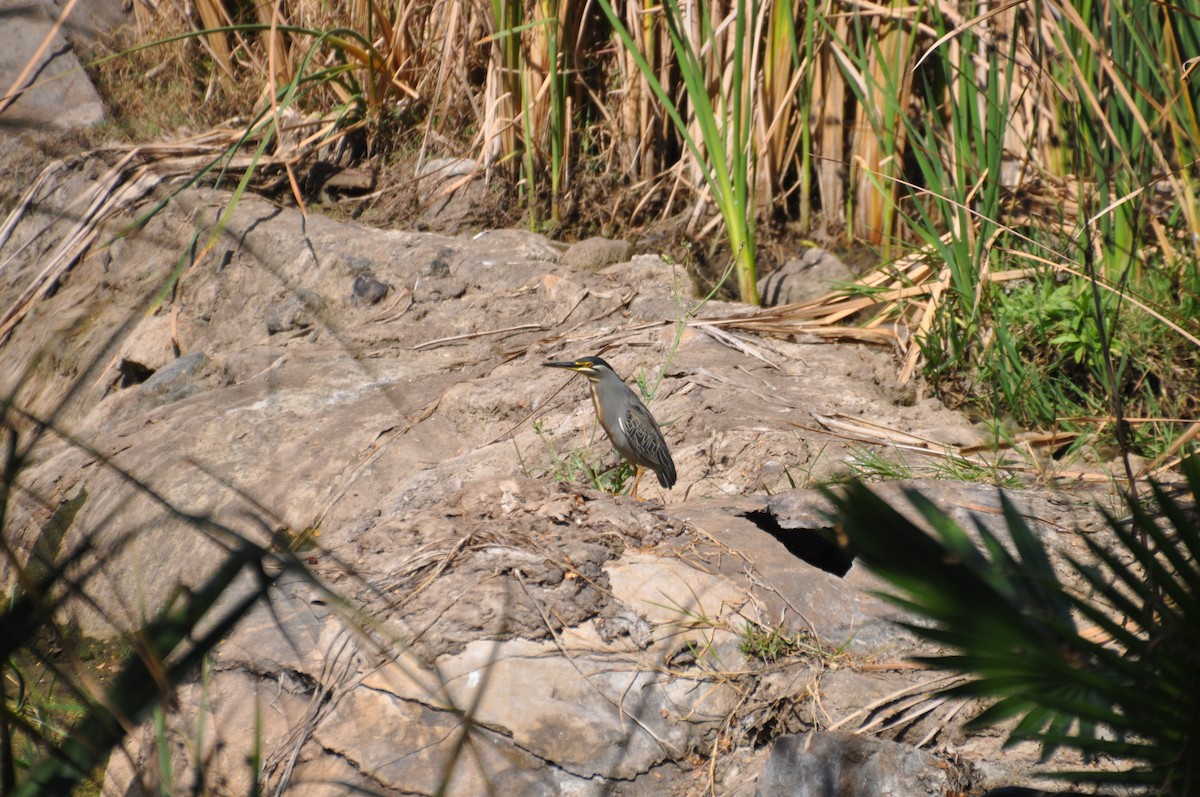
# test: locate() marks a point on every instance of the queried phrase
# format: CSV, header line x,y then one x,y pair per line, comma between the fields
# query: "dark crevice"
x,y
132,372
809,545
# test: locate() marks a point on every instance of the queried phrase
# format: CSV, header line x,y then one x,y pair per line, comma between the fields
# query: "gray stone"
x,y
295,311
1017,791
967,503
94,21
453,193
831,764
439,170
519,244
569,702
368,290
593,254
809,276
231,708
436,289
178,380
407,747
795,594
57,93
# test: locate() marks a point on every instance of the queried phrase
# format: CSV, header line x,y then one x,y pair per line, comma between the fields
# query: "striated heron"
x,y
629,425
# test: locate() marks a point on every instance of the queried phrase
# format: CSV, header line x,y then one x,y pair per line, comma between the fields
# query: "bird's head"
x,y
594,368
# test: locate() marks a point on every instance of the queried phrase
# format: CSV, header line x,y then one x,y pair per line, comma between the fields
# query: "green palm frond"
x,y
1128,688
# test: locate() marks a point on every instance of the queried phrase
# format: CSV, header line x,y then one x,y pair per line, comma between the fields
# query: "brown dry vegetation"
x,y
447,78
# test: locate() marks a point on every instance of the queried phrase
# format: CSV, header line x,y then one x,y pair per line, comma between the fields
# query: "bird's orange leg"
x,y
636,480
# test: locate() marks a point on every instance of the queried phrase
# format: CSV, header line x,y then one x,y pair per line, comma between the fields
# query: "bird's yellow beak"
x,y
578,366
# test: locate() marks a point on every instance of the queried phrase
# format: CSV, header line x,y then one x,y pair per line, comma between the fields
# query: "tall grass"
x,y
722,147
558,77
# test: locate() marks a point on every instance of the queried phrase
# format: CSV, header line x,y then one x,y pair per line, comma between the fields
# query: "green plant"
x,y
965,470
871,464
39,707
1124,686
1045,362
579,465
725,122
768,645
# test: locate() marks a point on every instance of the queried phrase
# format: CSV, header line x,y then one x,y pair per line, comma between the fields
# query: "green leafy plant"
x,y
1123,685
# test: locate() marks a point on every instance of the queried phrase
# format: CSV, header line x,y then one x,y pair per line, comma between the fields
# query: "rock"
x,y
436,289
594,254
581,712
368,290
94,21
797,595
559,715
176,381
149,343
468,577
647,270
452,193
294,311
438,267
1016,791
833,764
518,244
439,170
57,91
813,274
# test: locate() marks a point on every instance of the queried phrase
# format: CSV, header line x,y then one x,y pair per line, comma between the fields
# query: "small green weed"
x,y
965,470
579,466
870,464
767,645
882,464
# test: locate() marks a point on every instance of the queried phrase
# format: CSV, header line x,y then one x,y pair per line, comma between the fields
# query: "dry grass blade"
x,y
866,431
1024,444
27,199
430,344
1170,458
928,314
886,292
336,677
734,342
971,23
905,697
213,16
117,189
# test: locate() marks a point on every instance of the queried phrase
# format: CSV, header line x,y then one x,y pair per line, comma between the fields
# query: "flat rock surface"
x,y
473,610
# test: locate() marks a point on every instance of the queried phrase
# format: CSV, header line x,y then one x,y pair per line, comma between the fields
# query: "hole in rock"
x,y
806,544
132,372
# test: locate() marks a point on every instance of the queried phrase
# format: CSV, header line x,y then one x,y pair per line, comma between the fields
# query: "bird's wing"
x,y
646,438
